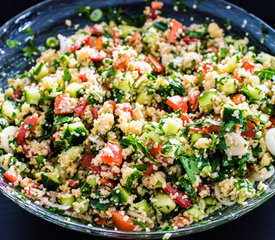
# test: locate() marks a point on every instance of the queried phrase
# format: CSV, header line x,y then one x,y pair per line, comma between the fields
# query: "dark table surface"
x,y
17,224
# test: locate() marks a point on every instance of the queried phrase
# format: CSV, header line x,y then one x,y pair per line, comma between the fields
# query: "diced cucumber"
x,y
172,125
50,181
146,93
68,201
209,201
126,30
120,195
9,111
206,100
232,115
49,83
232,63
74,153
84,204
256,93
74,89
40,71
91,180
264,57
228,86
144,206
123,83
32,95
195,137
163,203
75,133
65,60
197,214
207,170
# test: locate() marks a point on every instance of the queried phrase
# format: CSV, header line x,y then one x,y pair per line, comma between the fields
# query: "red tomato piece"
x,y
172,36
72,183
83,77
17,95
98,43
157,66
95,169
156,5
149,170
29,124
187,39
194,101
249,67
177,103
73,48
11,175
180,198
95,58
272,120
238,98
122,62
89,41
113,103
94,112
207,68
122,222
185,119
79,109
251,132
64,104
135,39
115,37
94,30
112,154
155,148
87,158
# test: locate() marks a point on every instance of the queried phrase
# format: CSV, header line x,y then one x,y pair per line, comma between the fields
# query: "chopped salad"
x,y
141,128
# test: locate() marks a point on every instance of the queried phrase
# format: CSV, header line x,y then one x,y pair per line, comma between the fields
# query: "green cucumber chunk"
x,y
206,100
32,95
164,203
232,115
50,181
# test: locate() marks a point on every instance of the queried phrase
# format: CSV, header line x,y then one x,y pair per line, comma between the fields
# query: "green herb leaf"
x,y
266,74
187,186
131,178
191,167
67,75
12,43
140,167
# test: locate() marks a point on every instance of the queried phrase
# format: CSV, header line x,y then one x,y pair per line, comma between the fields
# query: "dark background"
x,y
17,224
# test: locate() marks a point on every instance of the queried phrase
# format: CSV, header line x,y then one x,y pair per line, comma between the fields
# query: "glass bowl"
x,y
48,18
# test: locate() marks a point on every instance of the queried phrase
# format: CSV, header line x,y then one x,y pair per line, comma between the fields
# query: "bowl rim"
x,y
66,222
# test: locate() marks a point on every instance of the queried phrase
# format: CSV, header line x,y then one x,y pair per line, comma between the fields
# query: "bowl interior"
x,y
48,19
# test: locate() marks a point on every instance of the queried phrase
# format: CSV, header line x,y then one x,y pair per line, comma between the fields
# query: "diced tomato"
x,y
207,68
17,95
177,103
73,48
83,77
72,183
185,119
155,148
95,169
108,182
194,101
135,39
249,67
180,198
87,158
238,98
98,43
79,109
215,49
88,41
149,170
199,130
113,103
121,222
251,132
207,130
64,104
272,120
156,5
187,39
94,30
112,154
94,112
11,175
100,221
107,85
95,58
125,107
29,124
122,62
157,66
172,36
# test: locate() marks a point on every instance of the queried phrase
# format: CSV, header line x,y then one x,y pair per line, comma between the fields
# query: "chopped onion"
x,y
5,136
270,140
219,197
237,146
262,177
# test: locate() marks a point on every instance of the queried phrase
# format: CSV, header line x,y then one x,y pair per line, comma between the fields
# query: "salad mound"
x,y
141,128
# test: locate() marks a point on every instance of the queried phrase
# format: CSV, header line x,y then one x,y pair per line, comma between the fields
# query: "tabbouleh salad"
x,y
141,128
